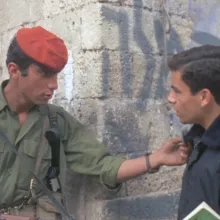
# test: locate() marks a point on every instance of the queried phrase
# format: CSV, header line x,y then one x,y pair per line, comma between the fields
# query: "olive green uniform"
x,y
83,153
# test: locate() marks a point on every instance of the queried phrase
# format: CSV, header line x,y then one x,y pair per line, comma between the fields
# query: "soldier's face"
x,y
187,106
37,87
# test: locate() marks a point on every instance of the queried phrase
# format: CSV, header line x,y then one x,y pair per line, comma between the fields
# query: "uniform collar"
x,y
209,137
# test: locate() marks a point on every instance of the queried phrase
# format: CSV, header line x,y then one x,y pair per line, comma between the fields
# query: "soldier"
x,y
34,59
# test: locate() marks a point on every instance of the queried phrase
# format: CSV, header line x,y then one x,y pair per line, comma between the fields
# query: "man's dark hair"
x,y
16,55
200,69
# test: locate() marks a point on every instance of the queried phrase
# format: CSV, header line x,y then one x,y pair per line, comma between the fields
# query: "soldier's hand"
x,y
173,153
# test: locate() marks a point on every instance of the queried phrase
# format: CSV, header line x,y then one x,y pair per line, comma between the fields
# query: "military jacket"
x,y
83,153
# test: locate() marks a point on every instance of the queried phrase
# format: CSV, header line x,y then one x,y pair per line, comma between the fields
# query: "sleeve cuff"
x,y
109,177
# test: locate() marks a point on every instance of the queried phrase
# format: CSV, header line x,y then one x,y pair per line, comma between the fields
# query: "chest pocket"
x,y
31,150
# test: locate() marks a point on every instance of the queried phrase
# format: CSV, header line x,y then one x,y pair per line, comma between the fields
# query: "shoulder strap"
x,y
31,193
42,144
52,114
59,158
53,136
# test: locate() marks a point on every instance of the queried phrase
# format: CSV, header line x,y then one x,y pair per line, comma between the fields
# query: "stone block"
x,y
30,11
1,73
64,95
1,58
6,38
119,74
147,4
88,79
133,126
180,8
180,34
91,27
75,194
101,74
4,74
130,30
167,180
112,1
112,27
67,26
113,78
153,207
150,78
86,110
52,8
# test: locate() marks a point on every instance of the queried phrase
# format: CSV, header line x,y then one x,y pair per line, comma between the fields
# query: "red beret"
x,y
43,47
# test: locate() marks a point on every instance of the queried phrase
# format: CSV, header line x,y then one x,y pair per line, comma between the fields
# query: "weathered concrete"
x,y
116,82
130,133
15,14
152,207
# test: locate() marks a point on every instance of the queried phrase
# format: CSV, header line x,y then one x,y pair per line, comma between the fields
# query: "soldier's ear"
x,y
13,70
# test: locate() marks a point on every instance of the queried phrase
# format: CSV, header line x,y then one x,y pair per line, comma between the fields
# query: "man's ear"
x,y
205,97
13,70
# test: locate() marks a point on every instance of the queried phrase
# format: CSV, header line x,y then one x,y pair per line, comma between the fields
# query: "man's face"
x,y
186,105
37,87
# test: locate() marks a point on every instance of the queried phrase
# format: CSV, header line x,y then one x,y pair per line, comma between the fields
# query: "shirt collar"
x,y
209,137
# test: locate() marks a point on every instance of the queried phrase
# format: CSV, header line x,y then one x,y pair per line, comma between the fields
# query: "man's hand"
x,y
172,153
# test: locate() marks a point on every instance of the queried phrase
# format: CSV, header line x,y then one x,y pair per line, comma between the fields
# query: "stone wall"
x,y
116,82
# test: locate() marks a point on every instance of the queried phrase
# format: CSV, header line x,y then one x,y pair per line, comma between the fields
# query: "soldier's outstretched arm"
x,y
86,155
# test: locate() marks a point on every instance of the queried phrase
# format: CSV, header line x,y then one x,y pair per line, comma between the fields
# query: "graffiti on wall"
x,y
121,19
205,20
151,87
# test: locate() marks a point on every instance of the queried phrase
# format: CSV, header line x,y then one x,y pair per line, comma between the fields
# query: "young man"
x,y
34,59
195,96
